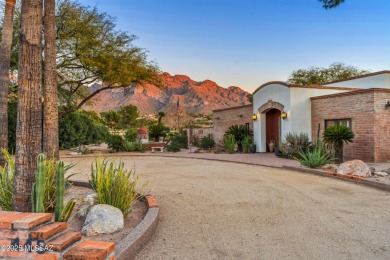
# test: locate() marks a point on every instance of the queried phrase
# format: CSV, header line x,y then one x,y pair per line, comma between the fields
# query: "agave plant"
x,y
239,132
336,136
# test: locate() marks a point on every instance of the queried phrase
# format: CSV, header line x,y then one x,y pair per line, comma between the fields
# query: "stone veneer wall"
x,y
223,118
370,121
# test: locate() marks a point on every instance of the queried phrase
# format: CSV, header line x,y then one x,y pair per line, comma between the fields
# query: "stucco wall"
x,y
223,118
370,121
375,81
296,103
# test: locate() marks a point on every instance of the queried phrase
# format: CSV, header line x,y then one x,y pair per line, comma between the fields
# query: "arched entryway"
x,y
272,126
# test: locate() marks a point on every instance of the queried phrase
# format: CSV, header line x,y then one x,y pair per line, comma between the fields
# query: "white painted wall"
x,y
296,103
376,81
276,93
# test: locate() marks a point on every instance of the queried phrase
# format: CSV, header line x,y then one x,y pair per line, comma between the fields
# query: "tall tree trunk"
x,y
339,153
50,126
29,119
5,54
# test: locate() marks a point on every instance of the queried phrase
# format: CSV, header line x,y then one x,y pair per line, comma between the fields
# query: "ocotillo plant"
x,y
60,183
38,191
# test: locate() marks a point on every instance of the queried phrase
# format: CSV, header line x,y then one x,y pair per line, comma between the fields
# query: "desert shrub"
x,y
293,144
115,142
129,146
114,185
140,147
317,157
207,142
173,146
230,143
131,135
246,143
7,173
77,128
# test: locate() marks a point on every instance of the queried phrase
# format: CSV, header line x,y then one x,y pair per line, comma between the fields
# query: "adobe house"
x,y
223,118
361,103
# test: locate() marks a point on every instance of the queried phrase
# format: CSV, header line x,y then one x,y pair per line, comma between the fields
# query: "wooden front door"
x,y
272,126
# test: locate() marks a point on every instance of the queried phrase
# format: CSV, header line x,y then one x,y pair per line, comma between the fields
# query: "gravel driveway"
x,y
221,210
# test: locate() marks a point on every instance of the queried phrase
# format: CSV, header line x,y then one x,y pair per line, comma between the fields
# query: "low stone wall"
x,y
35,236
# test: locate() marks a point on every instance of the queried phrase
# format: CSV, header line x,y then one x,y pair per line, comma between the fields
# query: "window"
x,y
345,121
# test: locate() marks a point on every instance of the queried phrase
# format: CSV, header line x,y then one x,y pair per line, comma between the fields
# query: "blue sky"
x,y
246,43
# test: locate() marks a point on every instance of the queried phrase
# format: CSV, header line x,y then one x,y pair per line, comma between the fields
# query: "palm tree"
x,y
336,136
29,118
50,126
160,116
239,132
5,54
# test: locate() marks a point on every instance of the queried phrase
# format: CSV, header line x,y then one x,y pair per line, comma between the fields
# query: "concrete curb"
x,y
132,244
353,179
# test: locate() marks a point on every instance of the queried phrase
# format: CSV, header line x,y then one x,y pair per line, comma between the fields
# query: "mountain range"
x,y
194,96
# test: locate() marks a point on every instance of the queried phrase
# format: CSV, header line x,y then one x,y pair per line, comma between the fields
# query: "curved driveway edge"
x,y
132,244
354,179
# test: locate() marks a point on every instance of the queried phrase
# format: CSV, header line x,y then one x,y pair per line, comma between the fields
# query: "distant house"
x,y
361,103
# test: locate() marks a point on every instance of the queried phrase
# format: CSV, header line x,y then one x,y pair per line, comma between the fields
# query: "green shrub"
x,y
114,185
317,157
230,143
173,147
293,144
77,128
246,143
140,146
131,135
129,146
115,142
7,174
181,139
207,142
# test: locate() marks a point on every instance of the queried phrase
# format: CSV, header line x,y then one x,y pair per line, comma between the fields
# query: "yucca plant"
x,y
336,136
230,143
7,174
114,185
317,157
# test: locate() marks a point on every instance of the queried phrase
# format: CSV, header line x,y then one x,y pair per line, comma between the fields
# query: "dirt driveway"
x,y
220,210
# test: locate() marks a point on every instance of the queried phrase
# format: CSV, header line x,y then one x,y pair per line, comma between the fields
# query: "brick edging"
x,y
354,179
132,244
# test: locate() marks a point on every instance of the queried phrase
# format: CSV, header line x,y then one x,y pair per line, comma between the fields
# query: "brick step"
x,y
88,249
18,220
47,231
66,239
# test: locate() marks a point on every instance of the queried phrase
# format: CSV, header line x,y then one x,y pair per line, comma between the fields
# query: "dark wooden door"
x,y
272,122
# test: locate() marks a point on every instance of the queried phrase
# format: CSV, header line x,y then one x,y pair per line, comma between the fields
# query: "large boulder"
x,y
354,167
103,219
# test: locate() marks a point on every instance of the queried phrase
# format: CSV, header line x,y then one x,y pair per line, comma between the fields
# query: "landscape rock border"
x,y
344,177
132,244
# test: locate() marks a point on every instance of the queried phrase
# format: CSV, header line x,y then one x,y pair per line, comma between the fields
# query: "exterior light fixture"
x,y
254,117
241,115
284,115
387,105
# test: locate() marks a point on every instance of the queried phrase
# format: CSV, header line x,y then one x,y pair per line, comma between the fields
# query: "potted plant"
x,y
252,148
271,145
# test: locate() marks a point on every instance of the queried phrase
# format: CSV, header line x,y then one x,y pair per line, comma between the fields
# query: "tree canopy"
x,y
316,75
327,4
91,49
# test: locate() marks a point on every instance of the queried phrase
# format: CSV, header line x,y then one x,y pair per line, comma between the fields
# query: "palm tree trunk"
x,y
340,154
29,119
50,126
5,54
